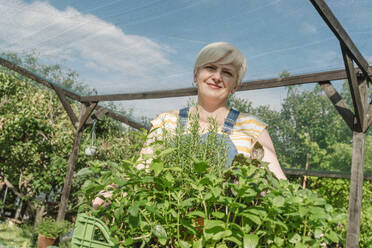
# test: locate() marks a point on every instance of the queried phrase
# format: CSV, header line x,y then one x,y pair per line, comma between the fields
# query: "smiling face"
x,y
215,82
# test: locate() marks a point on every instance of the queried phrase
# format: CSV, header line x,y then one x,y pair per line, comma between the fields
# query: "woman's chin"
x,y
212,97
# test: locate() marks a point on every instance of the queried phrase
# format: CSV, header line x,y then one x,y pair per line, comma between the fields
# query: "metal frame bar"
x,y
332,22
341,106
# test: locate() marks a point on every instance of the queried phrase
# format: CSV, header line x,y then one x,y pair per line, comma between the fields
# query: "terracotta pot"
x,y
44,242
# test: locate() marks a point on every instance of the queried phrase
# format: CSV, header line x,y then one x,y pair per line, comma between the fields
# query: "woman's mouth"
x,y
214,86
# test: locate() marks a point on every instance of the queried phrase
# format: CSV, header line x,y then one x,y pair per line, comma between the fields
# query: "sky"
x,y
126,46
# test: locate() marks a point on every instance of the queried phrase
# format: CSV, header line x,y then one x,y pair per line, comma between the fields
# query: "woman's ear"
x,y
235,88
195,76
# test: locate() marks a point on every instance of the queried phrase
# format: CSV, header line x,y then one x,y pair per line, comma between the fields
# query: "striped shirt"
x,y
244,134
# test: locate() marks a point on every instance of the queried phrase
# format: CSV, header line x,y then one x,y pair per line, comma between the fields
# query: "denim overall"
x,y
227,128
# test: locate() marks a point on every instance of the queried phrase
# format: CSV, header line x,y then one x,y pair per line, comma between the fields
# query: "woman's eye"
x,y
228,73
209,67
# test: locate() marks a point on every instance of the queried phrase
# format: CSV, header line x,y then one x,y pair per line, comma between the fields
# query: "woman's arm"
x,y
270,155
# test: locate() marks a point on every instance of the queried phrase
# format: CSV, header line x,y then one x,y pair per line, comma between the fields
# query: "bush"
x,y
187,198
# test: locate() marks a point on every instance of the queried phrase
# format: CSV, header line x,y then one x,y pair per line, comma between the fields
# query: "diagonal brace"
x,y
341,106
86,114
66,105
358,90
332,22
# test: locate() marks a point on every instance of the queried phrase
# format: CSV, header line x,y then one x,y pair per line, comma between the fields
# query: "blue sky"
x,y
122,46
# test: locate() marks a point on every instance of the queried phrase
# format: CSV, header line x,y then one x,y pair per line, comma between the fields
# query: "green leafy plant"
x,y
187,198
48,227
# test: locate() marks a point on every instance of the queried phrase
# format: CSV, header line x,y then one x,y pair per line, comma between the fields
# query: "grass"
x,y
23,236
15,237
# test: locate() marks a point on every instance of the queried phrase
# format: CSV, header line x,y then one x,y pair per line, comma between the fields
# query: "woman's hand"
x,y
269,155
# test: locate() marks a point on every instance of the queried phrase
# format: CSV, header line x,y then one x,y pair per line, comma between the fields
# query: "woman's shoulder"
x,y
246,119
166,119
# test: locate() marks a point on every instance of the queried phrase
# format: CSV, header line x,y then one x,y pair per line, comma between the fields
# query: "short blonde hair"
x,y
224,53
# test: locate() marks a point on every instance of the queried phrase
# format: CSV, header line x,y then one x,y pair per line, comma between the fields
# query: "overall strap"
x,y
183,115
230,121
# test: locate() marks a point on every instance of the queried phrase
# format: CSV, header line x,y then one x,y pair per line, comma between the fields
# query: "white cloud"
x,y
308,28
83,39
325,59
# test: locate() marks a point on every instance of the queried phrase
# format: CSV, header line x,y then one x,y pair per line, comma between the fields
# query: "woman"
x,y
218,71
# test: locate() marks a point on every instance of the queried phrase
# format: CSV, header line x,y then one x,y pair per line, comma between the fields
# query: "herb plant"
x,y
187,198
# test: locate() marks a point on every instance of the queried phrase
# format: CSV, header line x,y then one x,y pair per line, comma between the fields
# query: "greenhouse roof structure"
x,y
125,47
133,51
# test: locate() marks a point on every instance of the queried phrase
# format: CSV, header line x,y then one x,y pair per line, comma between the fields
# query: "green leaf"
x,y
250,241
318,233
197,213
218,215
294,238
278,201
332,236
200,166
259,212
166,152
279,241
254,218
187,203
234,240
210,224
161,234
84,172
157,167
133,210
198,244
184,244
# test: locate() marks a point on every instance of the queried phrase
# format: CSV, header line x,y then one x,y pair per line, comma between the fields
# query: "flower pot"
x,y
44,242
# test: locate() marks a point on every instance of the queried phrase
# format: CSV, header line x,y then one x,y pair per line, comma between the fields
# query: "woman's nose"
x,y
217,77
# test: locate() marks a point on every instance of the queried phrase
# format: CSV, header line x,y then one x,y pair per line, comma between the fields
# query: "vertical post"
x,y
356,190
84,115
306,169
70,172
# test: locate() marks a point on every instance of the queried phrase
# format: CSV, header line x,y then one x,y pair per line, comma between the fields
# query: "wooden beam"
x,y
356,188
332,22
69,175
341,106
121,118
355,90
66,105
369,116
298,172
126,120
248,85
36,78
86,114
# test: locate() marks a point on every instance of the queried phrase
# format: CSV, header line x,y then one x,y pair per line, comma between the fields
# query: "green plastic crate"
x,y
84,233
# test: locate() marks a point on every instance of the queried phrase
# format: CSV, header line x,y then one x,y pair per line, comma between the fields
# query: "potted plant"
x,y
49,230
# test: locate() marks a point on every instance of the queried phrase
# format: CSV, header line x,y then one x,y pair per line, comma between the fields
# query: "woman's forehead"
x,y
224,66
